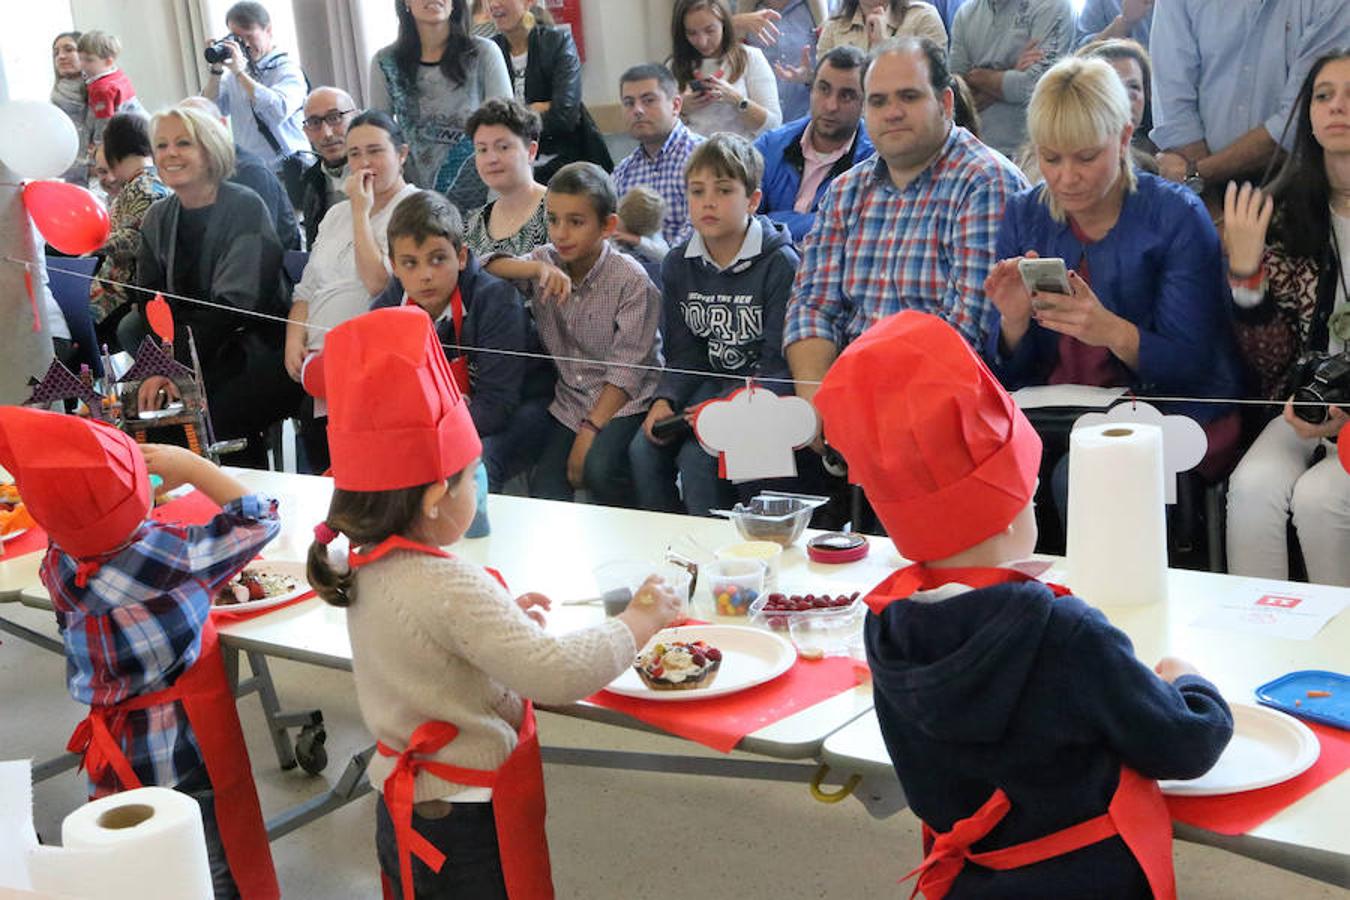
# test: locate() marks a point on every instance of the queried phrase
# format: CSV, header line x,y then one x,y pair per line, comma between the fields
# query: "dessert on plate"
x,y
679,665
253,584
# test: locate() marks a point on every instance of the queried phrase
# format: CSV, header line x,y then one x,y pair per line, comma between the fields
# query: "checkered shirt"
x,y
611,315
876,250
137,625
665,175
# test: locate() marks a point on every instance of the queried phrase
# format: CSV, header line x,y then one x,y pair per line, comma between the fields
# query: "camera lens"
x,y
1309,406
216,54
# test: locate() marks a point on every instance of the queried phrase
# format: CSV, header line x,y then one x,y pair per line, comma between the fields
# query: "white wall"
x,y
26,50
619,34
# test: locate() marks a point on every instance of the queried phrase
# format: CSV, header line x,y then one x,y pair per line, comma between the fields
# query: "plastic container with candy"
x,y
819,624
735,584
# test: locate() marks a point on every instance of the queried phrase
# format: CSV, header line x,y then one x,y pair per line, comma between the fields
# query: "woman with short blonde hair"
x,y
211,249
1146,307
1080,103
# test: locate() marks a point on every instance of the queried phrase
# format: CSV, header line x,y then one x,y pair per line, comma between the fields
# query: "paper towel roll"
x,y
145,844
1117,541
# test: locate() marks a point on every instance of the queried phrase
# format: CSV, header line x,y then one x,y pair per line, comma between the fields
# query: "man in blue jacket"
x,y
801,158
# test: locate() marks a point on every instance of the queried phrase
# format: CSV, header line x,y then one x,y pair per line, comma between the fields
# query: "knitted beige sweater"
x,y
439,640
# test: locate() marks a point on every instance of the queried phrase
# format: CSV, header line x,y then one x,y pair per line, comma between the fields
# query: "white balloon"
x,y
37,140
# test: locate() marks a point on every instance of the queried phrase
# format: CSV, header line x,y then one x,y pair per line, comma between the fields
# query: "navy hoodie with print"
x,y
728,321
1010,687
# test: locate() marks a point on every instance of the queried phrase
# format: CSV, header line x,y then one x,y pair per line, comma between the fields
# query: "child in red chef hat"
x,y
1025,732
446,661
133,598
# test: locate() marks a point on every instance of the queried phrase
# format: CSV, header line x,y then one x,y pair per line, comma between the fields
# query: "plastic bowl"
x,y
735,584
832,631
778,519
618,581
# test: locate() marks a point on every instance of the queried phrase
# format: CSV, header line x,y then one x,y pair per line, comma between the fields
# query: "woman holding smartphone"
x,y
726,85
1145,306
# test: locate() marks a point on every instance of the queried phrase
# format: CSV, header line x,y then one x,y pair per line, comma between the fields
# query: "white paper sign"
x,y
1294,612
754,432
1184,441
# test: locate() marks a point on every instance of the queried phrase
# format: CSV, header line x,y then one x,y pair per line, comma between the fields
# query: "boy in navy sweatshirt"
x,y
1026,734
724,292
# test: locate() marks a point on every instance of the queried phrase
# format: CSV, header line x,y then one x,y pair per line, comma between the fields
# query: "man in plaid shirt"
x,y
912,228
651,106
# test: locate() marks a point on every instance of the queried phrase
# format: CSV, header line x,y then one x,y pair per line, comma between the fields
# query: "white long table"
x,y
1311,836
552,548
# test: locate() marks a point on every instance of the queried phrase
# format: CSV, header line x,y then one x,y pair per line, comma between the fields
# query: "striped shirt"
x,y
137,625
876,250
665,175
611,316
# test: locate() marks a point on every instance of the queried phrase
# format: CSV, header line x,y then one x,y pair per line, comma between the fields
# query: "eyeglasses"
x,y
331,119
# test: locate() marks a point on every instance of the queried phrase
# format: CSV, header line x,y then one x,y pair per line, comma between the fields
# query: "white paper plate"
x,y
13,534
295,570
749,657
1268,747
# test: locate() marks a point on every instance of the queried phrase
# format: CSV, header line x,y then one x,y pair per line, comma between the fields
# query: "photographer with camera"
x,y
262,90
1287,248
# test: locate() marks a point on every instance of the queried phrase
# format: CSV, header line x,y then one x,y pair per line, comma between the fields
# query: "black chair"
x,y
68,278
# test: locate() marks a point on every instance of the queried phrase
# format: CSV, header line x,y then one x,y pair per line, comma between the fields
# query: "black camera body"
x,y
1316,380
217,53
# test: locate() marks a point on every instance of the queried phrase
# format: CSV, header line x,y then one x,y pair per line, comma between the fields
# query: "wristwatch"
x,y
1194,180
744,104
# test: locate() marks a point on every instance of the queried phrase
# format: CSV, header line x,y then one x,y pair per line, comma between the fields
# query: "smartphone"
x,y
698,86
1044,276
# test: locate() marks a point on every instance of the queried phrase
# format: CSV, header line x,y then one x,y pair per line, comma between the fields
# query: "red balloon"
x,y
72,219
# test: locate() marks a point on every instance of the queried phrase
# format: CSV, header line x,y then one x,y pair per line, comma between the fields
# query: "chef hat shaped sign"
x,y
753,433
1184,441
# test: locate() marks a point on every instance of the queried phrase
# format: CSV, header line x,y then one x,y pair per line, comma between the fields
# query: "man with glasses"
x,y
328,110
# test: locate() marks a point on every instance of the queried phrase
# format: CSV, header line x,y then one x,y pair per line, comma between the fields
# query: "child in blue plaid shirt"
x,y
133,598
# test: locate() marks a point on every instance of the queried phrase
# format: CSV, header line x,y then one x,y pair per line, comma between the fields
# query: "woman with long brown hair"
x,y
866,24
726,85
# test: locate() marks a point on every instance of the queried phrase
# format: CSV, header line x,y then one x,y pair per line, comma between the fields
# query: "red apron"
x,y
209,703
1136,812
518,803
459,366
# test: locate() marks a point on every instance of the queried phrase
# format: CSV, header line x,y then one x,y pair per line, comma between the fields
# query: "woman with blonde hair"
x,y
866,24
726,85
1146,307
212,240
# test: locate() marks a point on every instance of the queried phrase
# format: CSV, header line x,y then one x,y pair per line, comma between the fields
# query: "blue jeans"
x,y
468,838
606,473
197,785
510,451
654,470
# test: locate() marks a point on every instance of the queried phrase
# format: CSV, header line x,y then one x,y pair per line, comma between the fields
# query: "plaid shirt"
x,y
137,625
612,314
876,250
665,175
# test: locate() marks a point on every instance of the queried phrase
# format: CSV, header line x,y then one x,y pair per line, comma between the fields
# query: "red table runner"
x,y
190,509
721,722
1240,813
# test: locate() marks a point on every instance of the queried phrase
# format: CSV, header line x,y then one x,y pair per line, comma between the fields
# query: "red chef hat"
x,y
395,417
84,481
945,456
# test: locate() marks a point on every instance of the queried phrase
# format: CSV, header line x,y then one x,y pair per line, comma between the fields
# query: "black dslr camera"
x,y
1319,379
218,53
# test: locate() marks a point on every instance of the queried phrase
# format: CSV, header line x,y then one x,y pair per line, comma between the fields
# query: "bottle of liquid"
x,y
480,526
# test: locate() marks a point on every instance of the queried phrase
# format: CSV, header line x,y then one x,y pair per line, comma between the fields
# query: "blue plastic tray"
x,y
1283,691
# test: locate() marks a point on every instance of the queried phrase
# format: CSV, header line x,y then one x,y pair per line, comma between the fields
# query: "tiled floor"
x,y
614,835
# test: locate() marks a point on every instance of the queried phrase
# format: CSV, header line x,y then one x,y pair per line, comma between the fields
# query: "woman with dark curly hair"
x,y
430,80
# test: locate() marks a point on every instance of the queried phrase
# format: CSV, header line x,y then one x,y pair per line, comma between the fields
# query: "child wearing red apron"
x,y
446,661
1026,734
133,598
